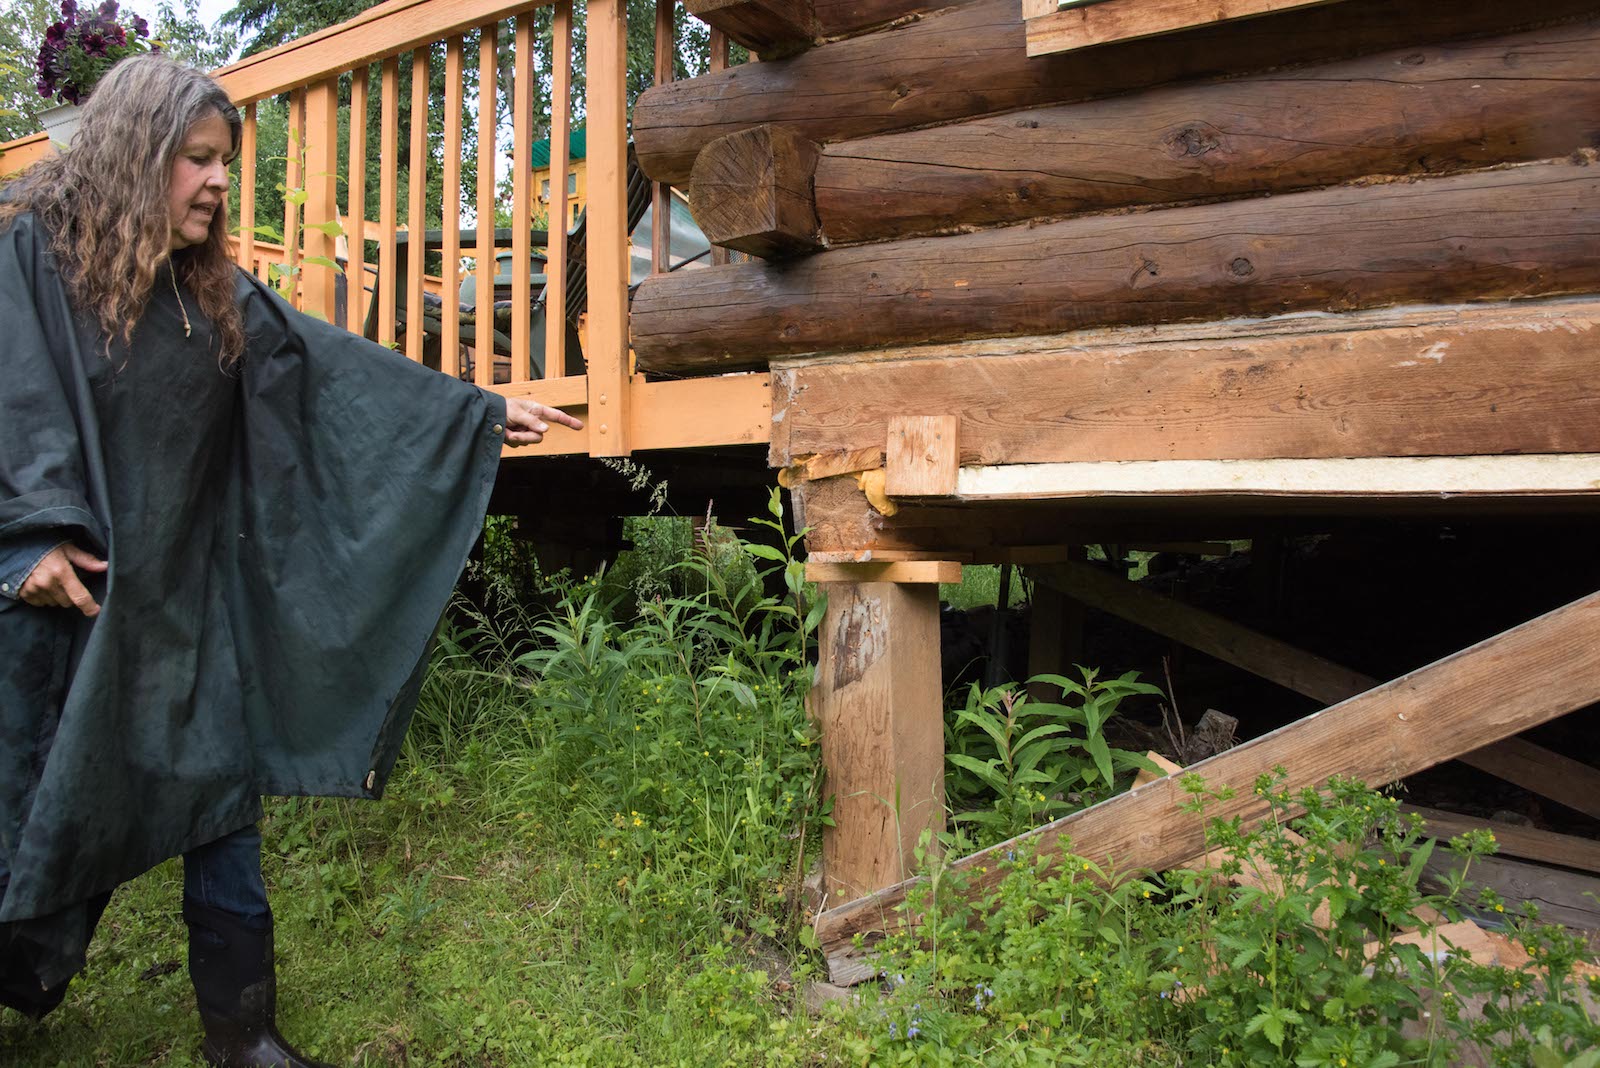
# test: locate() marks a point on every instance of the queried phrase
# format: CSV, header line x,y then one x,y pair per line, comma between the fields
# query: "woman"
x,y
227,531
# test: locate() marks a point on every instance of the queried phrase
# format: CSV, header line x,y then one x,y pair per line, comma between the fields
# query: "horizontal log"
x,y
1432,109
1523,231
841,18
1450,380
769,27
751,191
1513,681
971,61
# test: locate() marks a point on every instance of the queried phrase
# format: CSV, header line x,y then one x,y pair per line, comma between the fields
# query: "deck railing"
x,y
328,224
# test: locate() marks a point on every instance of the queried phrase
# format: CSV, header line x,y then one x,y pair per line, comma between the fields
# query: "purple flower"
x,y
94,44
140,27
108,10
56,34
44,89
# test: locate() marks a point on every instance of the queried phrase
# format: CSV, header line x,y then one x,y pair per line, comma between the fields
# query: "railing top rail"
x,y
375,34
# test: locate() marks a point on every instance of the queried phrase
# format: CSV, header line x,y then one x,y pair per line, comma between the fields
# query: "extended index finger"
x,y
556,415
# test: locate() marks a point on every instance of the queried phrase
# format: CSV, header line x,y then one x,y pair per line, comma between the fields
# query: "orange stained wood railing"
x,y
328,83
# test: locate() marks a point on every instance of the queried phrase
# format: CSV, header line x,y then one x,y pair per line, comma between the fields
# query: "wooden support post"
x,y
1516,680
880,709
752,191
770,27
606,346
319,279
1055,635
923,455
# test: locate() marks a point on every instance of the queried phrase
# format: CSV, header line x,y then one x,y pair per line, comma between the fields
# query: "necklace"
x,y
187,329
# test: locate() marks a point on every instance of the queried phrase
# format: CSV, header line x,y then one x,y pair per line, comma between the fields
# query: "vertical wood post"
x,y
556,222
879,705
607,342
319,282
247,191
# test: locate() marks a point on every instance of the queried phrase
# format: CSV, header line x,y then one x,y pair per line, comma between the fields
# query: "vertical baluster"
x,y
356,221
319,278
660,192
293,181
555,272
483,368
450,332
388,197
521,208
417,205
609,400
247,190
719,62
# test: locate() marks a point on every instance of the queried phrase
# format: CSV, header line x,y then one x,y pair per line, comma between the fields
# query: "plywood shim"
x,y
922,455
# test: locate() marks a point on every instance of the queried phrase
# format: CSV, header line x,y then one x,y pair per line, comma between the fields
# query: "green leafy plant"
x,y
1021,761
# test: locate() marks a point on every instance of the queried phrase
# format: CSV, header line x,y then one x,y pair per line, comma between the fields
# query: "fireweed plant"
x,y
79,49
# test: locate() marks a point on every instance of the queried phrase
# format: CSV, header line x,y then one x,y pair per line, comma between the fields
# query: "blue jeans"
x,y
226,874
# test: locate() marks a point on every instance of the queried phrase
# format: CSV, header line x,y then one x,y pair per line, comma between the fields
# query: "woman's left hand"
x,y
527,421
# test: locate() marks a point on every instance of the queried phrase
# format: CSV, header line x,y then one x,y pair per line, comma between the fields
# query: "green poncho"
x,y
282,537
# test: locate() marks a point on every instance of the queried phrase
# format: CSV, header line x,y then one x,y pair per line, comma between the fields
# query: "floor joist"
x,y
1516,680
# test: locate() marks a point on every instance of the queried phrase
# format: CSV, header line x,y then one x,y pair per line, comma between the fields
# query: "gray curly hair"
x,y
104,201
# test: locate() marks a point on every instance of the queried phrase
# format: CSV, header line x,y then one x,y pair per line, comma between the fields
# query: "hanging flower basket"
x,y
60,122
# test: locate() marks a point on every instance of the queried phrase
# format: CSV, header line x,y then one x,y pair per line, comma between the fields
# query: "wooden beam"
x,y
879,705
1343,248
770,27
1407,476
971,60
922,456
1278,661
1497,688
1548,774
910,571
1417,110
1440,381
1530,843
1128,20
751,191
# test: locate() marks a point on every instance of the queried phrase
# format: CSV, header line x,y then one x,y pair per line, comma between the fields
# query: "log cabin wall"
x,y
1204,280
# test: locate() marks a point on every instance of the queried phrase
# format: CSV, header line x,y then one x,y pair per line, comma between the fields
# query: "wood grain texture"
x,y
912,571
1546,773
555,270
1531,233
1448,380
771,27
1515,680
1427,109
1567,898
752,191
1514,840
842,18
484,263
922,455
355,220
388,198
606,348
971,61
416,203
879,708
1127,20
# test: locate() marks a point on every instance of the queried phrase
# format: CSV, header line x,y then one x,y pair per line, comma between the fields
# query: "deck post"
x,y
879,705
606,344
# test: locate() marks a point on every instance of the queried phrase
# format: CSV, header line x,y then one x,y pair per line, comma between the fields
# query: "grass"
x,y
593,850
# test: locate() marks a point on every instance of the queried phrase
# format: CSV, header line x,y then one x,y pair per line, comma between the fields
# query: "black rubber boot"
x,y
231,966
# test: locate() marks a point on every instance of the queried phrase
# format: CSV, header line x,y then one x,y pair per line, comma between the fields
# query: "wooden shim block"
x,y
880,710
971,60
1278,661
1440,381
769,27
1406,476
1510,682
1529,843
1147,776
1560,778
1430,109
1343,248
751,191
1563,897
1127,20
922,455
910,571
